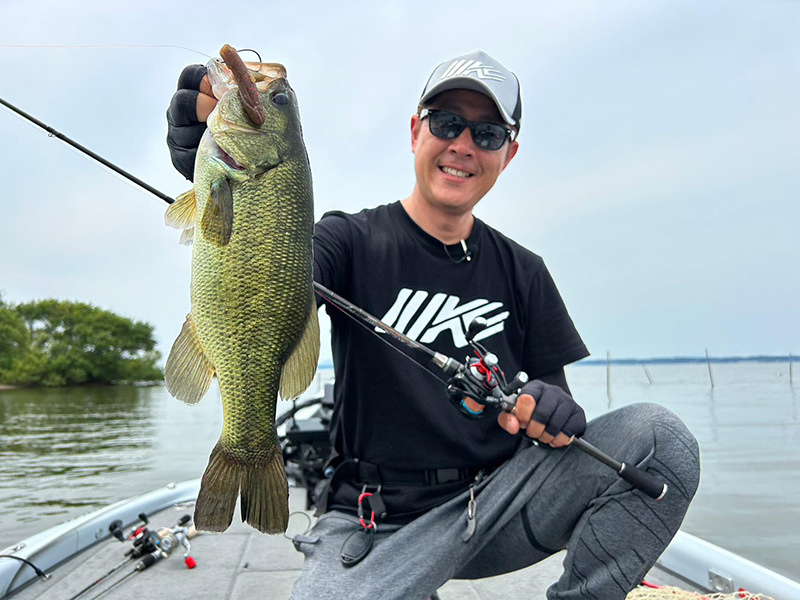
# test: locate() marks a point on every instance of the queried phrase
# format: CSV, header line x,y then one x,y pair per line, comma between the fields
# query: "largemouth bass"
x,y
253,320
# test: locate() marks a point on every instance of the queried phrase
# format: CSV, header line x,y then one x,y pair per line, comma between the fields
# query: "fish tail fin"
x,y
219,489
299,370
265,495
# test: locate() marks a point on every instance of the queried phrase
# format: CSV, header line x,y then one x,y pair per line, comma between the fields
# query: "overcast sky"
x,y
658,173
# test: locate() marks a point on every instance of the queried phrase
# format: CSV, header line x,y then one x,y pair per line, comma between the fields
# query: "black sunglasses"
x,y
448,126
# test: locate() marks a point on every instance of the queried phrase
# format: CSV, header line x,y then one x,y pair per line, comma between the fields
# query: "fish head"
x,y
251,148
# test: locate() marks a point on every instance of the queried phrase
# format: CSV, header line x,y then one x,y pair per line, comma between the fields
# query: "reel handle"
x,y
475,326
115,529
515,384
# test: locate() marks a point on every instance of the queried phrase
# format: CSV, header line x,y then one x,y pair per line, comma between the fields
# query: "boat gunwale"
x,y
61,543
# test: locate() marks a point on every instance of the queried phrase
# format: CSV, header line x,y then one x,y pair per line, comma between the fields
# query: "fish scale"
x,y
253,321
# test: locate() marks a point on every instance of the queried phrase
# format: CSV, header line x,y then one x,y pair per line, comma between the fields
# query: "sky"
x,y
658,173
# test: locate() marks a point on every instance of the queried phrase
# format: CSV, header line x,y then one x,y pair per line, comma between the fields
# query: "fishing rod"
x,y
145,542
148,560
482,380
471,379
155,547
53,133
445,363
102,578
142,543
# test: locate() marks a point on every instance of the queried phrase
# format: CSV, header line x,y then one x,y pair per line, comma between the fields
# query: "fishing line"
x,y
92,46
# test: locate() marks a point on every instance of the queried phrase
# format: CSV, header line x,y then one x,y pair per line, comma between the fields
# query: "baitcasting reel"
x,y
481,379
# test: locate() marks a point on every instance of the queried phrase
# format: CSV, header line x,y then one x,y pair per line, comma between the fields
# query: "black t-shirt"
x,y
389,411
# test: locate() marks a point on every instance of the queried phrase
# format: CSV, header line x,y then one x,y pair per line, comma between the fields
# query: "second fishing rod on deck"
x,y
480,379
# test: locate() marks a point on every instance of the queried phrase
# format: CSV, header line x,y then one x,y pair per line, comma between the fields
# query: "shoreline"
x,y
5,387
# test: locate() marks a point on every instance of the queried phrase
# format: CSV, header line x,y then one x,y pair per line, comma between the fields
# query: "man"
x,y
421,492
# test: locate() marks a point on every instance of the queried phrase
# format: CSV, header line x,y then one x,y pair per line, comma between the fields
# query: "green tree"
x,y
71,343
14,338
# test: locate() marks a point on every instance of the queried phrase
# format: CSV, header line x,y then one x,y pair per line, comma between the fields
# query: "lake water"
x,y
64,452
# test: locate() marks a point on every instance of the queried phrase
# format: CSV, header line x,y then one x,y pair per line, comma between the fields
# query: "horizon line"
x,y
690,359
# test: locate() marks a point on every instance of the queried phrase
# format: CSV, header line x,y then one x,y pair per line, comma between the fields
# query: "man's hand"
x,y
546,413
186,117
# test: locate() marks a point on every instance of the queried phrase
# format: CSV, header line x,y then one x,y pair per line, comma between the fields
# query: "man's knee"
x,y
675,452
655,437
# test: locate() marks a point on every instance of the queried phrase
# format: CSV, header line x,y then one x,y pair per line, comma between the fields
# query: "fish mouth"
x,y
228,159
219,154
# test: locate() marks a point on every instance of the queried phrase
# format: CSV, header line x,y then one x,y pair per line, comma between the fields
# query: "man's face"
x,y
453,175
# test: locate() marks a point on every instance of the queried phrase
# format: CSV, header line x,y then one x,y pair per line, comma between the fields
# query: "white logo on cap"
x,y
474,68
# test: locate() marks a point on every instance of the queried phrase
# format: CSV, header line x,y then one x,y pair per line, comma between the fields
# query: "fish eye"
x,y
279,99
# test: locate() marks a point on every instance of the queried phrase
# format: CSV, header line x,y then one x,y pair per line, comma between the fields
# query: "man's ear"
x,y
416,125
512,151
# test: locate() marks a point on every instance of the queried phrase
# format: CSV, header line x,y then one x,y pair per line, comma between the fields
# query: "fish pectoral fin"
x,y
299,370
187,237
182,213
188,371
217,221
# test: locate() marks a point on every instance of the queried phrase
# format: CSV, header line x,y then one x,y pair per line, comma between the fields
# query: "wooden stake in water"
x,y
710,374
647,372
791,371
608,377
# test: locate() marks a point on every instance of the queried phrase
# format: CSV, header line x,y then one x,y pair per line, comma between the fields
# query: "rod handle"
x,y
641,480
644,481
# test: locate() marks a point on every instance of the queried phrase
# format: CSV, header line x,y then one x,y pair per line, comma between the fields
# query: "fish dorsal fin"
x,y
217,221
188,371
299,370
182,213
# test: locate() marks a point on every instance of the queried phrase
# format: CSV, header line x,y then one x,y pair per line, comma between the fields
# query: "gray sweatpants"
x,y
541,501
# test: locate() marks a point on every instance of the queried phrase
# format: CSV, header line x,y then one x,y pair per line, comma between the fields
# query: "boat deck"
x,y
243,564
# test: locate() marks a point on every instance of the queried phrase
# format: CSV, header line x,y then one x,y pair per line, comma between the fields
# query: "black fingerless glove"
x,y
183,129
555,409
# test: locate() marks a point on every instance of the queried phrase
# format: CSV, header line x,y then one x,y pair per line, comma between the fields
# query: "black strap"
x,y
373,474
354,473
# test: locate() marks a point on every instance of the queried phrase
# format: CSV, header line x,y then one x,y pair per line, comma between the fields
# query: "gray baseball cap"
x,y
479,72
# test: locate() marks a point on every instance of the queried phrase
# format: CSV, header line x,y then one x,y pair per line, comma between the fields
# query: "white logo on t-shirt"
x,y
442,313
